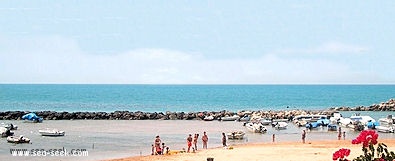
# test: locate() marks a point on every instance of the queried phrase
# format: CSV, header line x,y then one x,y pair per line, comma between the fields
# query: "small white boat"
x,y
208,118
51,132
9,126
5,132
385,129
236,135
280,125
265,121
20,139
256,127
230,118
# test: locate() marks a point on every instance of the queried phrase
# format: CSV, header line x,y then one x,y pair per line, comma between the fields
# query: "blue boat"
x,y
332,127
312,125
32,117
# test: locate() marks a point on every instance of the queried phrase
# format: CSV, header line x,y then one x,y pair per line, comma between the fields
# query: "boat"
x,y
312,125
51,132
265,121
245,118
20,139
9,126
332,127
280,125
385,129
5,132
256,127
208,118
32,117
386,125
230,118
236,135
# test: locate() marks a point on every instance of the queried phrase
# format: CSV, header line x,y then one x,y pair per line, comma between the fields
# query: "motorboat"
x,y
332,127
236,135
245,118
385,129
32,117
265,121
230,118
208,118
20,139
9,126
280,125
5,132
51,132
256,127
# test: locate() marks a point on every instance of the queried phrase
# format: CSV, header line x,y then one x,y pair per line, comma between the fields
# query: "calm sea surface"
x,y
105,139
187,98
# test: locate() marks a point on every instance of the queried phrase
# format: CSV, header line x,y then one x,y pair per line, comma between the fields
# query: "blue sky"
x,y
197,42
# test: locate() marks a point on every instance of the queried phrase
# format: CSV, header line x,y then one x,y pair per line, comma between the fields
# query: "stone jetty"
x,y
139,115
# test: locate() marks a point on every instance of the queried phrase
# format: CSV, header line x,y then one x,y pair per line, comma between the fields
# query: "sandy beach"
x,y
285,151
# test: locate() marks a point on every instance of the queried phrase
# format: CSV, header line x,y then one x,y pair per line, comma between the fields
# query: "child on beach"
x,y
189,142
195,139
204,140
223,140
303,136
157,145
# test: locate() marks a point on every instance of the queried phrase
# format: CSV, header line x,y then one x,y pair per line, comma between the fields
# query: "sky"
x,y
197,42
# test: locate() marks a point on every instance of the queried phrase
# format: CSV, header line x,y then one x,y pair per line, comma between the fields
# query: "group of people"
x,y
158,147
193,141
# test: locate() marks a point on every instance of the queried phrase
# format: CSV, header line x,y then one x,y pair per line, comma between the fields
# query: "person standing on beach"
x,y
195,139
304,136
189,142
158,150
204,140
339,135
223,140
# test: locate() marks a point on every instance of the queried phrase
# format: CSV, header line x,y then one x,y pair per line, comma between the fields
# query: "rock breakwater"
x,y
139,115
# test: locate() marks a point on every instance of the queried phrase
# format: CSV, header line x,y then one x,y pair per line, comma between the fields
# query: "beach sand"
x,y
284,151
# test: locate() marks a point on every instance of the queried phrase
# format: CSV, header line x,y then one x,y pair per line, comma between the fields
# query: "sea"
x,y
187,98
106,139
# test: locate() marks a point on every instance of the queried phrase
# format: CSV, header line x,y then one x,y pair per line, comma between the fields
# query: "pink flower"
x,y
341,153
366,137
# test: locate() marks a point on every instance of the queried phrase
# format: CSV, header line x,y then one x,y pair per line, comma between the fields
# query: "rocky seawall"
x,y
139,115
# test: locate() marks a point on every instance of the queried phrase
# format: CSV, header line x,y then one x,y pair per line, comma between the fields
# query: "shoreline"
x,y
320,150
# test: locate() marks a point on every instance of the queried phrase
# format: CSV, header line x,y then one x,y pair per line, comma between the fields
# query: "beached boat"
x,y
236,135
332,127
5,132
230,118
9,126
32,117
280,125
51,132
245,118
20,139
256,127
385,129
265,121
208,118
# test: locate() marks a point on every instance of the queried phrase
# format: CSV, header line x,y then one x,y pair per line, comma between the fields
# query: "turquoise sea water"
x,y
187,98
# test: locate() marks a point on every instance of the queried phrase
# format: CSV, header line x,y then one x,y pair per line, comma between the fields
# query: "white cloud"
x,y
59,60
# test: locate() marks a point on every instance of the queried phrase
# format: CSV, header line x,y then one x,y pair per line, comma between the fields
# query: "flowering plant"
x,y
341,154
368,138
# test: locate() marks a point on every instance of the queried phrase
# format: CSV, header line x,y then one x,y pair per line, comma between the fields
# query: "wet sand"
x,y
285,151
